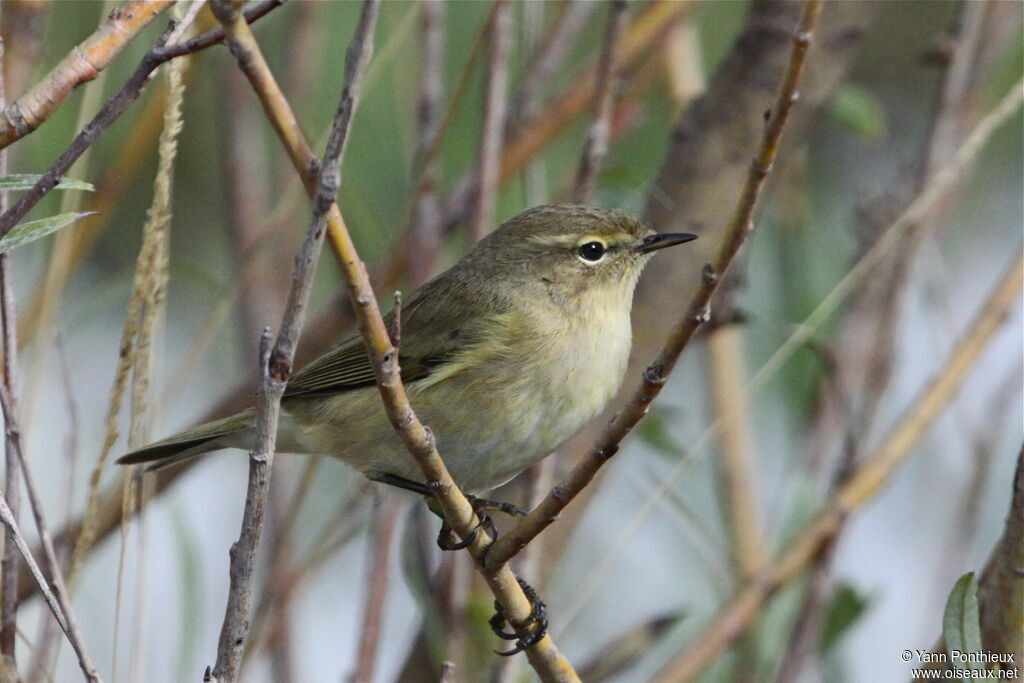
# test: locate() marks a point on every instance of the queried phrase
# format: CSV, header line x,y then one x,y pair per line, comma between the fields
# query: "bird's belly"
x,y
490,423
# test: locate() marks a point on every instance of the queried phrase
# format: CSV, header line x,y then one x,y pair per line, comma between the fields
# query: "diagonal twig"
x,y
493,130
656,373
164,51
82,64
57,599
736,616
276,363
596,145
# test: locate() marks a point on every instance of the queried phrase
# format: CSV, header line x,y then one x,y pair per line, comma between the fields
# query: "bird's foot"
x,y
447,540
535,628
482,504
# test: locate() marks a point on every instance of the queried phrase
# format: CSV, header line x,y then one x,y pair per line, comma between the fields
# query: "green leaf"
x,y
859,111
25,181
33,230
844,609
960,621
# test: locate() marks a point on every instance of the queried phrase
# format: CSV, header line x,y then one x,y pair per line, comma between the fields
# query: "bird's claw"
x,y
535,627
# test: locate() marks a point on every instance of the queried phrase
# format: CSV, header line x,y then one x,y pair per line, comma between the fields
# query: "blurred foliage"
x,y
961,628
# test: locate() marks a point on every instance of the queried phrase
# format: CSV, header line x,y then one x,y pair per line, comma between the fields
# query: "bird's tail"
x,y
236,431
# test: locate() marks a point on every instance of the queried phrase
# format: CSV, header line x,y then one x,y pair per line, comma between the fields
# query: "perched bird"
x,y
505,356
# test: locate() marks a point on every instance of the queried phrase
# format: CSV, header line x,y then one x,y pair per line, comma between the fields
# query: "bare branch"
x,y
596,145
9,563
60,604
276,363
379,538
82,64
425,225
557,43
493,131
736,616
116,106
697,313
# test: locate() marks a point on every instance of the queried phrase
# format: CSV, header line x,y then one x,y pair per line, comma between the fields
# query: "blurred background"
x,y
643,561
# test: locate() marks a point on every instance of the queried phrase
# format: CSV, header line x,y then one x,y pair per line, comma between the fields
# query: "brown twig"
x,y
727,373
536,133
855,278
596,145
424,240
416,437
492,133
385,513
736,616
554,48
697,313
9,562
58,600
164,51
81,64
276,363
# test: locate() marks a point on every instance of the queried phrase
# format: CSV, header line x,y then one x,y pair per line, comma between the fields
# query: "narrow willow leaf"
x,y
33,230
960,621
25,181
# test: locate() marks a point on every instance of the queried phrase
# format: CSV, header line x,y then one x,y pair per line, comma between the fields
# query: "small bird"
x,y
506,355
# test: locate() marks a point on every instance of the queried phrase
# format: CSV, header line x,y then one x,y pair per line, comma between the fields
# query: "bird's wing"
x,y
429,340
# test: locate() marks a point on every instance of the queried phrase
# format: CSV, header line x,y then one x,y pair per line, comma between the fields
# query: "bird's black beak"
x,y
662,240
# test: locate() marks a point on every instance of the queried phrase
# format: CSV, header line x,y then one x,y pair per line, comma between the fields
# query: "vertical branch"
x,y
493,133
9,562
727,376
543,64
379,536
596,145
425,228
697,312
276,363
58,600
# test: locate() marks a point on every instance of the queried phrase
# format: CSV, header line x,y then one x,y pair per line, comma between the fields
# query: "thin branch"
x,y
141,303
736,616
9,562
803,333
276,363
425,227
555,47
415,436
129,92
493,131
58,600
536,133
82,64
727,372
656,373
596,145
382,529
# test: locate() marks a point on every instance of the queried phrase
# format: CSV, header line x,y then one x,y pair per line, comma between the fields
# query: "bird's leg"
x,y
531,632
400,483
537,624
446,540
485,504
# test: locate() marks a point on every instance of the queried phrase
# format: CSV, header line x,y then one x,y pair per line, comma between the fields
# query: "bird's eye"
x,y
591,252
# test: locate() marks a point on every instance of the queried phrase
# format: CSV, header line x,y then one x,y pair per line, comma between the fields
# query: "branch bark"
x,y
737,615
276,363
698,311
82,64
